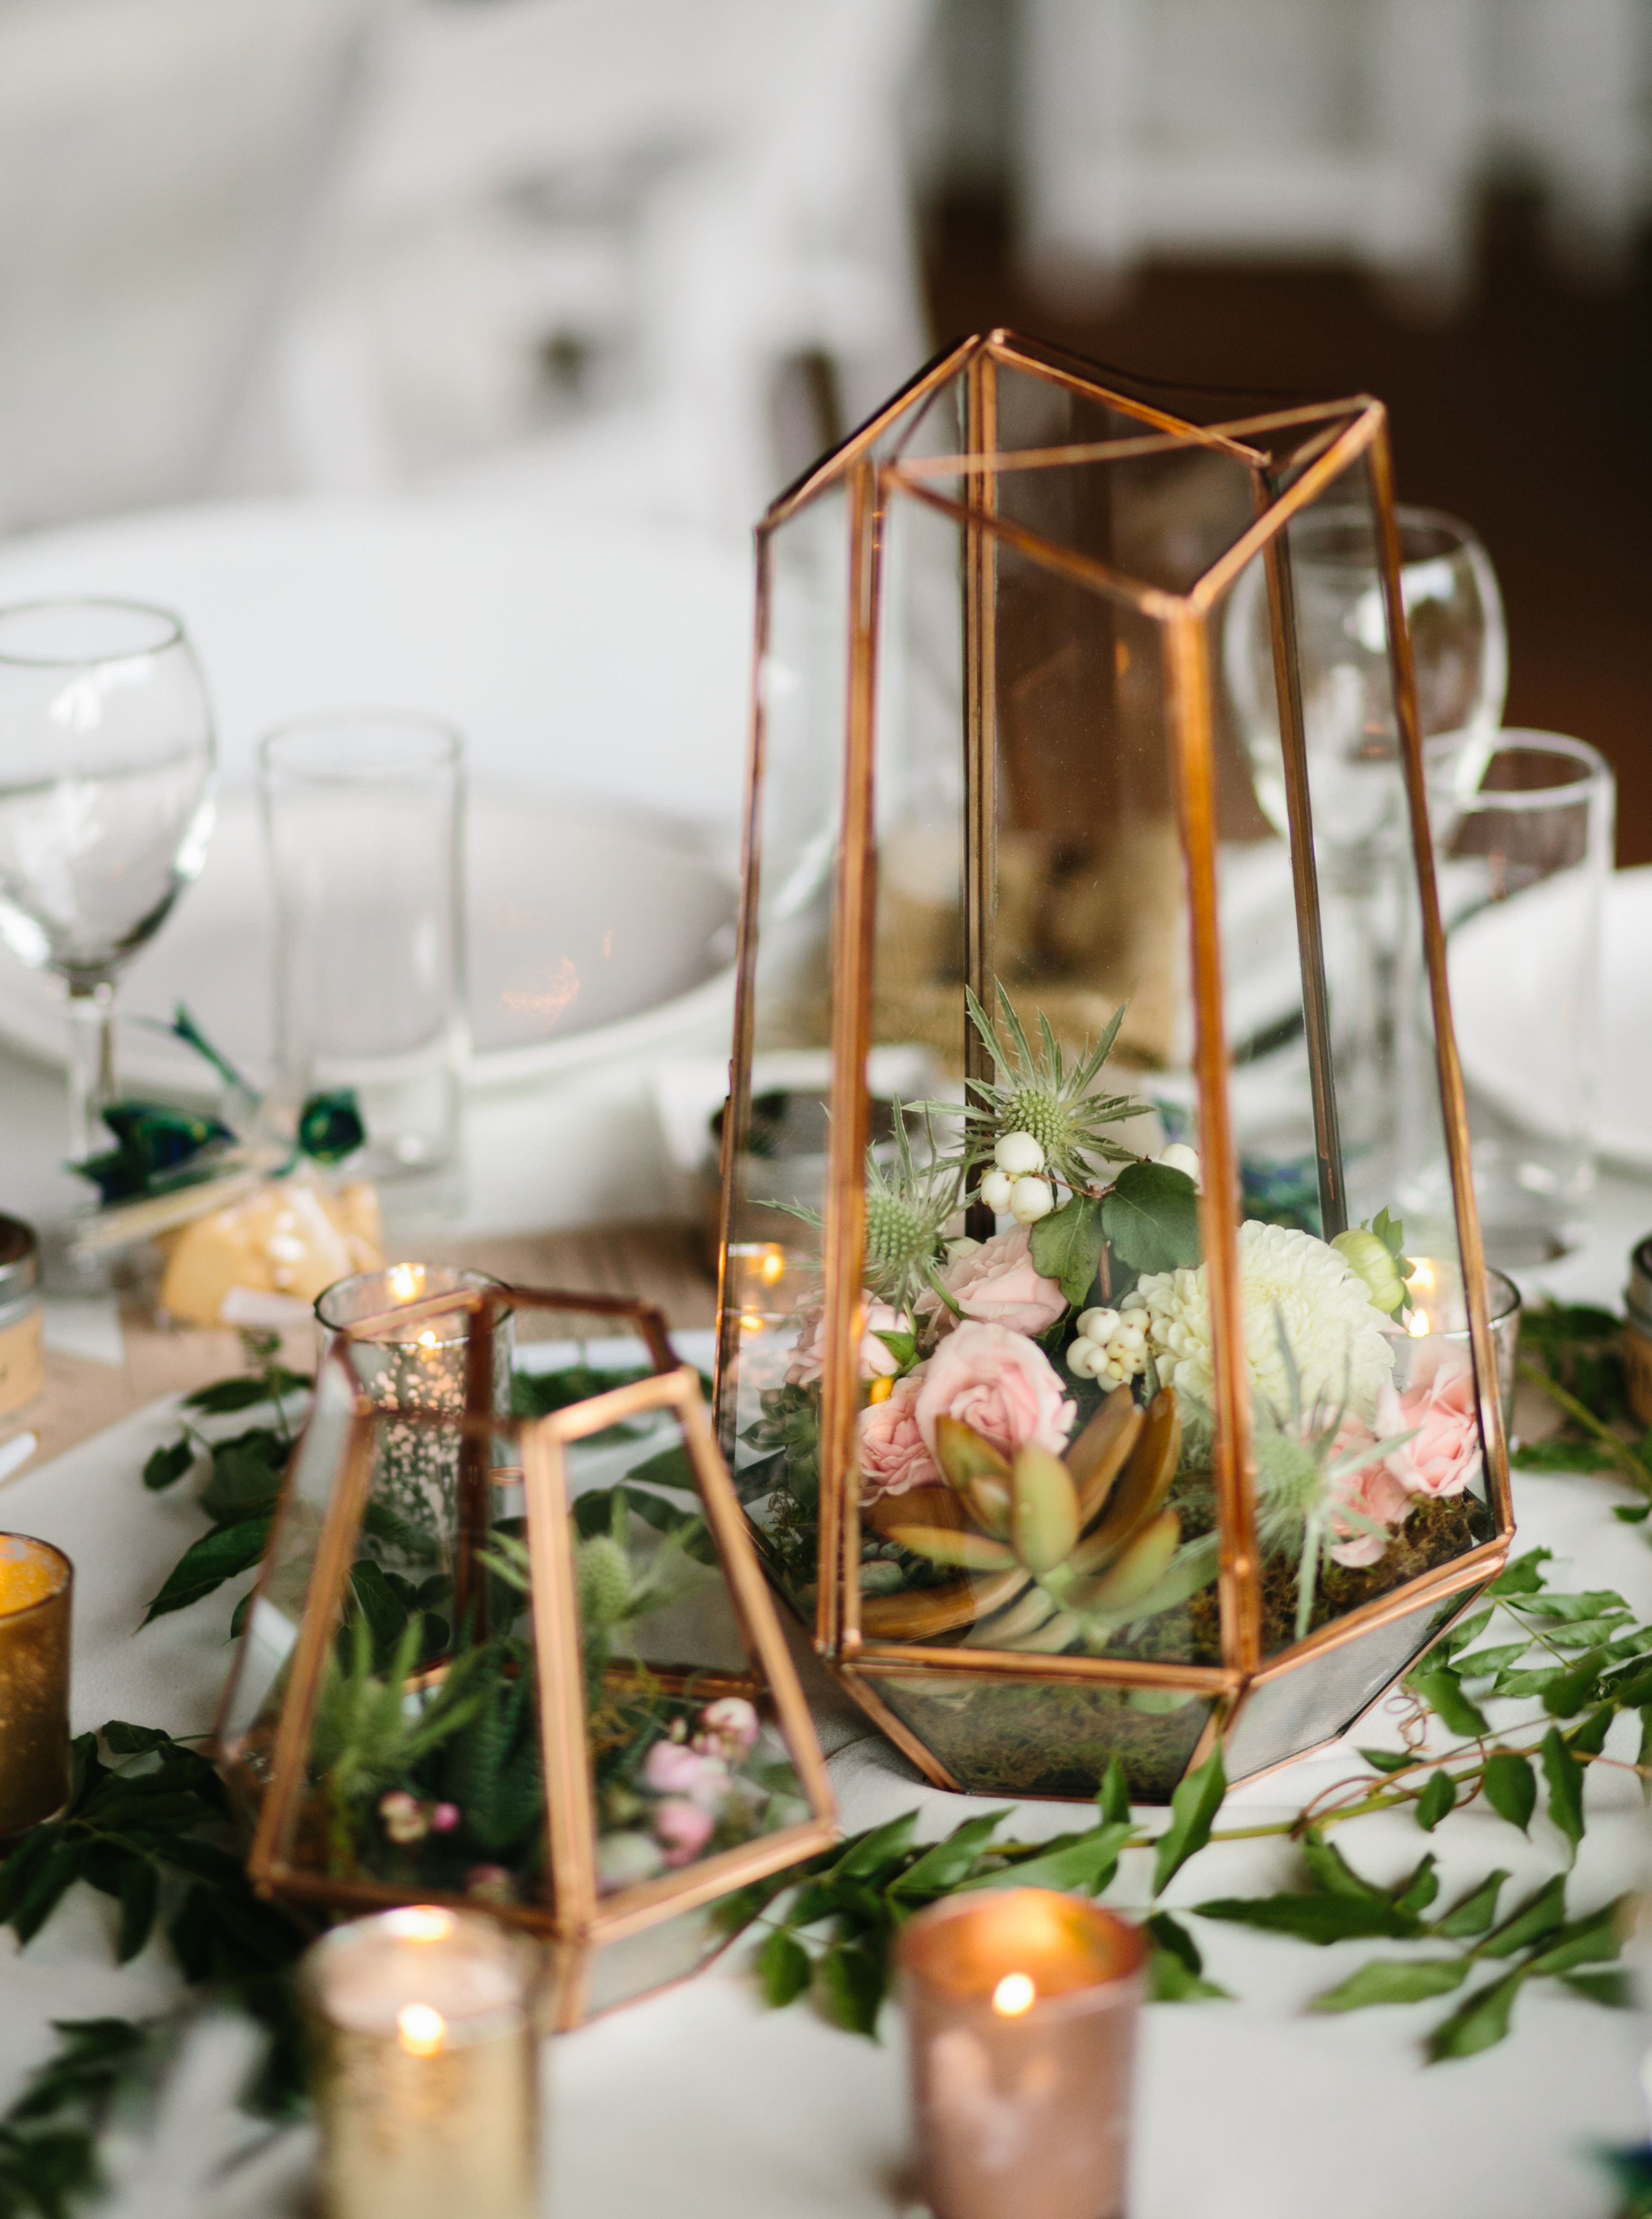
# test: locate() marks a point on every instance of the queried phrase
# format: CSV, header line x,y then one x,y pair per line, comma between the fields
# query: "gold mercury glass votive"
x,y
36,1583
1021,2009
425,2067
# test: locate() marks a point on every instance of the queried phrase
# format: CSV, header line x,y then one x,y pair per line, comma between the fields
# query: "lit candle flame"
x,y
1013,1994
406,1282
419,2030
1417,1324
1422,1276
420,1922
773,1266
427,1338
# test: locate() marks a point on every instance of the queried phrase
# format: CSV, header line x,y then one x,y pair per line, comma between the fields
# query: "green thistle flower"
x,y
908,1207
1036,1093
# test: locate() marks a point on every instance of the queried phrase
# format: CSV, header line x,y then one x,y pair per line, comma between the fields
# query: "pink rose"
x,y
998,1381
673,1769
1372,1491
894,1454
728,1729
683,1828
998,1284
877,1359
1442,1455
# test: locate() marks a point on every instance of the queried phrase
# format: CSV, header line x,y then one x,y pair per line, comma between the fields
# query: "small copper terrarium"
x,y
521,1662
1090,1407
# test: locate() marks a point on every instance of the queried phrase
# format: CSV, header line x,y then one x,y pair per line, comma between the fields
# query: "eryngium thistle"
x,y
1035,1093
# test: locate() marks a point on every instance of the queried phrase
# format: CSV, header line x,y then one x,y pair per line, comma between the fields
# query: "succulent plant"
x,y
1056,1551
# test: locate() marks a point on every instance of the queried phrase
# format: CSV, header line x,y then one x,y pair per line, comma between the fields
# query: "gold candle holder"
x,y
1021,2010
36,1582
425,2067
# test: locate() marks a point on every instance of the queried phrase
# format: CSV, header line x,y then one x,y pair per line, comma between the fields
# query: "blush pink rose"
x,y
682,1830
998,1284
998,1381
673,1769
894,1454
877,1359
1442,1455
1372,1491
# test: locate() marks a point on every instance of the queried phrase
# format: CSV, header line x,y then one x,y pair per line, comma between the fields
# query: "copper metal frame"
x,y
1340,434
574,1921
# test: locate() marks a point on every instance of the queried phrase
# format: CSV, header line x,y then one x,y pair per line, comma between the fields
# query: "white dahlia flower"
x,y
1333,1329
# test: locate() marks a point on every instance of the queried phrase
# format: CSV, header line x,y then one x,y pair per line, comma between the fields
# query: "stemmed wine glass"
x,y
106,806
1454,616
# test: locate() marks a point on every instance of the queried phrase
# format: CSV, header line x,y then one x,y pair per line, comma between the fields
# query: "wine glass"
x,y
106,806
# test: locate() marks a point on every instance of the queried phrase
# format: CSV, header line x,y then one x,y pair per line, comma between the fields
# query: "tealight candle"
x,y
36,1581
1437,1316
1021,2009
426,2067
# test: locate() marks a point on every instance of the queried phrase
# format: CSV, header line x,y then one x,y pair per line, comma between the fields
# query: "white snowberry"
x,y
1018,1153
1031,1199
996,1190
1178,1157
1099,1326
1084,1359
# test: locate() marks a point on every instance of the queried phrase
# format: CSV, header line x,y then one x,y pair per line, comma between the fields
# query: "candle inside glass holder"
x,y
36,1583
1431,1335
415,1363
1022,2008
425,2067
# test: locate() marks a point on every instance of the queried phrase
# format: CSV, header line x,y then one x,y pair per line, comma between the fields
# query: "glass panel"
x,y
636,1964
687,1758
1370,1461
1047,1738
1317,1699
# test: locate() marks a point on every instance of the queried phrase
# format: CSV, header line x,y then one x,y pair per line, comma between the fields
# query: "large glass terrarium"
x,y
1079,1388
525,1663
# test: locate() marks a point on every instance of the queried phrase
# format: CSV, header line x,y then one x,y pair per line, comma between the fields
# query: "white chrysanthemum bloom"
x,y
1333,1327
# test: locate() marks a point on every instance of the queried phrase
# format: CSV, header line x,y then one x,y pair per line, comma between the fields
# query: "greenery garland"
x,y
148,1825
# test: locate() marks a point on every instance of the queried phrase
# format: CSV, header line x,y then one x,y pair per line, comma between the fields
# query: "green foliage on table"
x,y
48,2139
1573,1354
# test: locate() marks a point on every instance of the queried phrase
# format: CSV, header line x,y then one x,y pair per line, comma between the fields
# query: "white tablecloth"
x,y
701,2104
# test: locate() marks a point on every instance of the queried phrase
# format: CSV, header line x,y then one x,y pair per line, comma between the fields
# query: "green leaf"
x,y
50,1881
215,1557
1441,1689
1632,1514
1524,1576
1537,1682
1113,1795
246,1478
1332,1875
1643,1755
1567,1695
1437,1798
1598,1602
1151,1218
870,1854
385,1611
165,1467
1321,1919
1565,1777
1170,1935
1169,1981
1540,1914
1194,1806
853,1978
1479,2023
18,1870
1458,1638
1586,1941
1473,1914
1066,1245
670,1467
132,1741
1394,1981
1589,1738
224,1395
784,1969
945,1864
1083,1863
139,1898
1614,1989
1415,1893
1484,1662
1510,1788
1387,1760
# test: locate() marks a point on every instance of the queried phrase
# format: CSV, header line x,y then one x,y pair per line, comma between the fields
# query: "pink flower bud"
x,y
444,1817
683,1828
404,1816
674,1768
728,1728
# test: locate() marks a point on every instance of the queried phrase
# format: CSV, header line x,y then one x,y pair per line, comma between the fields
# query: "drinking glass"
x,y
1455,615
363,816
106,806
1523,840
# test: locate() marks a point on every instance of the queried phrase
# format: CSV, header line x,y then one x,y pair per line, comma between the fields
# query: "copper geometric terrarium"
x,y
1076,1380
523,1663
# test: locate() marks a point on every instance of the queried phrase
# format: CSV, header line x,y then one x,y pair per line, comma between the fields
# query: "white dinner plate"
x,y
588,933
1497,966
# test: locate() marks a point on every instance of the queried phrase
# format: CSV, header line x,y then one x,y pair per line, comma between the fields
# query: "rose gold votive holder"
x,y
425,2067
36,1584
1021,2009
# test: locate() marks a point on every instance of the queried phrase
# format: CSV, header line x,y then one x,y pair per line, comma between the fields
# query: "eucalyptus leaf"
x,y
1394,1981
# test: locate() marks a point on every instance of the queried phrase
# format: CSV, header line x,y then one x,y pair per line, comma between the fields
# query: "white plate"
x,y
1499,991
588,933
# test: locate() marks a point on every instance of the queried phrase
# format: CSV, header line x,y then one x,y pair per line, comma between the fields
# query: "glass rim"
x,y
443,743
65,1572
465,1278
1330,515
171,624
1596,779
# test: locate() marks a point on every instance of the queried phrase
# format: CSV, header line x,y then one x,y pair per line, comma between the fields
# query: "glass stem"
x,y
91,1065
